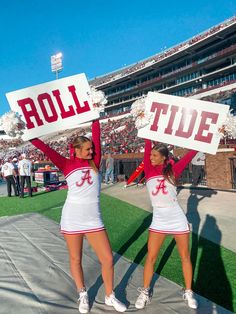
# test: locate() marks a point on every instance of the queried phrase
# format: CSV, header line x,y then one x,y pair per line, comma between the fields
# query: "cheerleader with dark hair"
x,y
168,217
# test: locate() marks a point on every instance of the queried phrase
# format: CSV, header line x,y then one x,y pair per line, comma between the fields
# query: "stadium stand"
x,y
203,67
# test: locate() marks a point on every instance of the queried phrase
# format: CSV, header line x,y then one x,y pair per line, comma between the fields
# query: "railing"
x,y
186,177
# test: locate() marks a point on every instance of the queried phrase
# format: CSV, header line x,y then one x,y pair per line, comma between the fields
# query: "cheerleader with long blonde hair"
x,y
81,215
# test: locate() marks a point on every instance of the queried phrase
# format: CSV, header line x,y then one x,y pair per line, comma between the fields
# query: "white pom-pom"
x,y
138,107
142,121
229,127
141,116
98,99
12,124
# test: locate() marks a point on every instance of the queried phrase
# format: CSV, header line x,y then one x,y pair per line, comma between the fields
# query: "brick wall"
x,y
217,167
218,170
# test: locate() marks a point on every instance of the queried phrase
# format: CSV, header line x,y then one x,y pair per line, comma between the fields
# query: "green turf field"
x,y
127,226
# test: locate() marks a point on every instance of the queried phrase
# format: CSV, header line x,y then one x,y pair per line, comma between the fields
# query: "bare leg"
x,y
182,241
155,241
100,243
75,245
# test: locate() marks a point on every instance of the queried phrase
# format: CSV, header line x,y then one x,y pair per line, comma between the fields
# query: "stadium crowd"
x,y
119,136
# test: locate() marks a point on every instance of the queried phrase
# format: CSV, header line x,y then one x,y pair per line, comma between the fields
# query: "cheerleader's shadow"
x,y
193,202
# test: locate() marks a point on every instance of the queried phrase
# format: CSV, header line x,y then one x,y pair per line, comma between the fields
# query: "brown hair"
x,y
167,169
78,143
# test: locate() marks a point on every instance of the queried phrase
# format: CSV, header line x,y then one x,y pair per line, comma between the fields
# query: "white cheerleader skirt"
x,y
81,218
169,220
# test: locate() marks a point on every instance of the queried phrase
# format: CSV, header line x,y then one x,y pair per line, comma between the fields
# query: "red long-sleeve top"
x,y
153,171
66,165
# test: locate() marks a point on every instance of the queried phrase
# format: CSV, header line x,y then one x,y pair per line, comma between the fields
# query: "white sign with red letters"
x,y
184,122
53,106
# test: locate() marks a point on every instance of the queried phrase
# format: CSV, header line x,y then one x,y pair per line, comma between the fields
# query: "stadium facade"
x,y
203,67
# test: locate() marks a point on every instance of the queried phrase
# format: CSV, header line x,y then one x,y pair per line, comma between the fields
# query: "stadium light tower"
x,y
56,63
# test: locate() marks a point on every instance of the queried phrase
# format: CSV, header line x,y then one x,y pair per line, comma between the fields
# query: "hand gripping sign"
x,y
184,122
53,106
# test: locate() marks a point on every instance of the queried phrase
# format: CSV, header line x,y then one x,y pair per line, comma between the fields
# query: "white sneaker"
x,y
113,301
189,297
143,299
83,302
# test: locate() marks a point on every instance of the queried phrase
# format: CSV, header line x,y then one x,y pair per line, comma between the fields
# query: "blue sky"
x,y
95,37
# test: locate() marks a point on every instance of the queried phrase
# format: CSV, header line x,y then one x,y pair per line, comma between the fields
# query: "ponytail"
x,y
168,172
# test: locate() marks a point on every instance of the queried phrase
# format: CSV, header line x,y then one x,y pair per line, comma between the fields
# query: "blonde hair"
x,y
78,143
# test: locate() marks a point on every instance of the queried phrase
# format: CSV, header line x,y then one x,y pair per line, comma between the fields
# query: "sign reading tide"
x,y
53,106
184,122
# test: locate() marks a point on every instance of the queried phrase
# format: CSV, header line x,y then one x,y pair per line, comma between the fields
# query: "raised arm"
x,y
180,165
147,153
96,137
56,158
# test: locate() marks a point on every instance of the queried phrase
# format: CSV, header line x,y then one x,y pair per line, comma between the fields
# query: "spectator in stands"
x,y
81,214
1,176
8,173
109,174
198,164
24,168
168,217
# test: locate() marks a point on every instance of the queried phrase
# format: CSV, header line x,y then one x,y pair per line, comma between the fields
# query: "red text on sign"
x,y
186,121
56,106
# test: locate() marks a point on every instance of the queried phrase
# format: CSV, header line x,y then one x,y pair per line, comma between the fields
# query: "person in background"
x,y
1,177
24,168
81,215
16,176
198,163
168,217
8,173
109,174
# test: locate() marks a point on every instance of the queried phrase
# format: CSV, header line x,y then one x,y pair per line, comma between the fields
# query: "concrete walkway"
x,y
211,213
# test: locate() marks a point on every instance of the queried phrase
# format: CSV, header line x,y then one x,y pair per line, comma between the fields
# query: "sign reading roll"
x,y
184,122
53,106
